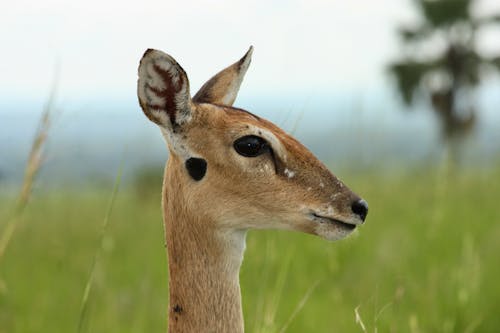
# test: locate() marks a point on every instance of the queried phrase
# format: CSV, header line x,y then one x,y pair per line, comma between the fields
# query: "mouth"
x,y
324,219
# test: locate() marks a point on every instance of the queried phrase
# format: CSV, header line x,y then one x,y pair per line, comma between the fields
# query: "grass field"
x,y
427,260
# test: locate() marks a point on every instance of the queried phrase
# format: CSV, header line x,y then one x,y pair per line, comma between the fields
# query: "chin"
x,y
332,232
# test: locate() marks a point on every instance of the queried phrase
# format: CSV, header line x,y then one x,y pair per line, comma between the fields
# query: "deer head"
x,y
233,169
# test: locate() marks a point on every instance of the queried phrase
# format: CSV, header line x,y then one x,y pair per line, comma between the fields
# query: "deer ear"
x,y
224,86
163,90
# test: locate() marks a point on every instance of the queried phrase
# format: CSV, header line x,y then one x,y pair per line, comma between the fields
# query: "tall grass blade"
x,y
358,319
90,280
274,301
299,306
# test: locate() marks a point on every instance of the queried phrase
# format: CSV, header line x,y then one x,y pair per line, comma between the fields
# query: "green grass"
x,y
427,260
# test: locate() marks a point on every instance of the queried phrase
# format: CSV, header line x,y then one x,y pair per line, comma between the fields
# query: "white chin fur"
x,y
331,232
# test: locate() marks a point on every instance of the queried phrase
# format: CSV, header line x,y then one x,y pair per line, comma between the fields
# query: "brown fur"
x,y
206,220
224,86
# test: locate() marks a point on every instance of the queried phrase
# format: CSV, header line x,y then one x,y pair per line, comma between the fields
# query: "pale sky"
x,y
301,46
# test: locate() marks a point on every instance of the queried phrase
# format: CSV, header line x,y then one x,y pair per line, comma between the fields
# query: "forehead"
x,y
230,118
230,122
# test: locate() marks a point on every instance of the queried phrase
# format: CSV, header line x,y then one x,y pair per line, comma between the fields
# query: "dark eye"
x,y
251,146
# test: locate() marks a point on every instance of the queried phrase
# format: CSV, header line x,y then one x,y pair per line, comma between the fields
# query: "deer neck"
x,y
204,264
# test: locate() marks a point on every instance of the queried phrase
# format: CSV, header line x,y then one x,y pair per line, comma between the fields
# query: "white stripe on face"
x,y
273,141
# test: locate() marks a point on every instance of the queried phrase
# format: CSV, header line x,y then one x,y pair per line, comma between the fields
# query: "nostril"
x,y
360,208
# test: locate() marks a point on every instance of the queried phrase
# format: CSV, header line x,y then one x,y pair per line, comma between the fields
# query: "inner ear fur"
x,y
163,90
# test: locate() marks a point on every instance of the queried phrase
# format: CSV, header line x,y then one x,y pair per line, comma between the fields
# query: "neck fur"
x,y
204,264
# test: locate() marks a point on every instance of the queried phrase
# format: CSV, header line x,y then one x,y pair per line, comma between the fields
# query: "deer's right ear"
x,y
163,90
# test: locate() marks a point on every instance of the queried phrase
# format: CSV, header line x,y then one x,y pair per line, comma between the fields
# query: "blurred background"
x,y
400,98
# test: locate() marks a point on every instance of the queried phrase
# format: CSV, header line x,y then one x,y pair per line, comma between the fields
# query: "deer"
x,y
229,171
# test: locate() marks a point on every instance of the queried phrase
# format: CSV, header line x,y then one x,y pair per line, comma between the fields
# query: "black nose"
x,y
360,208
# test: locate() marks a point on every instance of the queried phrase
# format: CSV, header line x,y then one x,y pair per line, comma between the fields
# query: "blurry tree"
x,y
441,62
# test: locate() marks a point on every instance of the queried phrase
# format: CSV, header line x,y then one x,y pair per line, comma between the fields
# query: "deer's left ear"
x,y
163,90
224,86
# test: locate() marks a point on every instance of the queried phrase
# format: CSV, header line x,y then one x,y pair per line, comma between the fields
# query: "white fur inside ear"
x,y
183,102
163,89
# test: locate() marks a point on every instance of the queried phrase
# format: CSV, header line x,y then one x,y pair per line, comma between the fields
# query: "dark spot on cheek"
x,y
196,167
177,309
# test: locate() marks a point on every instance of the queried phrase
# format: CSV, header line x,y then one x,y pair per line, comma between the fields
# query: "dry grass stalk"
x,y
33,165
